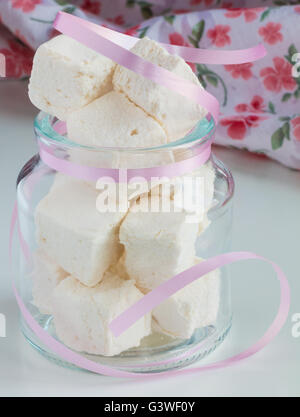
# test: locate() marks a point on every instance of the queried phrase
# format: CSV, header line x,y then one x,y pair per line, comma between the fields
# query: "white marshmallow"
x,y
62,180
46,276
207,173
195,190
82,315
119,269
193,307
83,241
176,113
67,75
158,245
113,121
124,160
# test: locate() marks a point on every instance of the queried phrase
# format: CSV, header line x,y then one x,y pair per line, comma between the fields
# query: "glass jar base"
x,y
157,353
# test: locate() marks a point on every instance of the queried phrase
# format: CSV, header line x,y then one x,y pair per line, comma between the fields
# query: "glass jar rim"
x,y
203,131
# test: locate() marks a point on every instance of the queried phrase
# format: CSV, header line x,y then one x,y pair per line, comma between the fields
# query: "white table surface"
x,y
266,221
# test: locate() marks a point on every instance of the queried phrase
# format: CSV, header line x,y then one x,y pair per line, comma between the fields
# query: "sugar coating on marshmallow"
x,y
176,113
157,245
66,75
113,121
46,276
120,192
70,229
207,173
194,190
196,193
82,315
195,306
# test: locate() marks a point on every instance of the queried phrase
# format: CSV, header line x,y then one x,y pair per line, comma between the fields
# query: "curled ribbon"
x,y
104,42
190,54
202,154
93,174
115,46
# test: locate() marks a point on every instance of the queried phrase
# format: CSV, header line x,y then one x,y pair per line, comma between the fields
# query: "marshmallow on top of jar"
x,y
118,108
66,76
78,90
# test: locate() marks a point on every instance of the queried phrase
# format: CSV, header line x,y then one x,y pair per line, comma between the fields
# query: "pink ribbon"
x,y
101,41
190,54
94,173
152,299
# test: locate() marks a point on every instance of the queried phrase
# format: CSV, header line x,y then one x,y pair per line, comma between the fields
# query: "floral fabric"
x,y
260,102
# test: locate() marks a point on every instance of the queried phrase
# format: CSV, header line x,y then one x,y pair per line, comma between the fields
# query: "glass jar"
x,y
67,284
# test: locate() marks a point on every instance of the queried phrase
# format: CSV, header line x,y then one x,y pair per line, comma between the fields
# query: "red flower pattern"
x,y
118,20
296,126
271,33
26,5
177,39
237,126
240,70
206,2
249,14
279,77
219,35
21,37
90,6
180,11
227,5
257,105
18,59
53,32
297,9
132,31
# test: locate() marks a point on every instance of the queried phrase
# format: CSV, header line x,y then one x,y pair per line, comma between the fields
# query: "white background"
x,y
266,221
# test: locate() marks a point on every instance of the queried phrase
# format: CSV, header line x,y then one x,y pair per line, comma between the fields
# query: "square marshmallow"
x,y
193,307
67,75
82,315
46,276
158,245
113,121
176,113
206,175
193,191
70,229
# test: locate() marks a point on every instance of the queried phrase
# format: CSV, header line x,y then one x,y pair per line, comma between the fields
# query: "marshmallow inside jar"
x,y
99,244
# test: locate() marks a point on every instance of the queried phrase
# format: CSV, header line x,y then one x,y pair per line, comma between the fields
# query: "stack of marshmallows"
x,y
90,266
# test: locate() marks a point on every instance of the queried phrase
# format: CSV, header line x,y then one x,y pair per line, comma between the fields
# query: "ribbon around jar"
x,y
115,46
66,167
